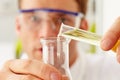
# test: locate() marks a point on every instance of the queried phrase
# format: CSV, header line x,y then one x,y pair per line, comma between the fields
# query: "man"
x,y
38,19
42,18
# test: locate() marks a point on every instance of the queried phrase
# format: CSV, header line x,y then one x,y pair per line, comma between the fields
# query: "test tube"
x,y
82,35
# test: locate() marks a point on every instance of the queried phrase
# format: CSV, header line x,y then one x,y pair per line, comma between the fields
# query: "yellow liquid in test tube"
x,y
82,35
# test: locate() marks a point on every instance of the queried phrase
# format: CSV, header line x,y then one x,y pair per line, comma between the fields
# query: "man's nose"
x,y
48,29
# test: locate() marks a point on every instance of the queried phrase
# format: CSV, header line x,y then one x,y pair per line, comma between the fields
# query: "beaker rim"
x,y
53,39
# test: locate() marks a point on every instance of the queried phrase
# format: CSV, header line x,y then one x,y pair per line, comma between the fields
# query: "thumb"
x,y
111,36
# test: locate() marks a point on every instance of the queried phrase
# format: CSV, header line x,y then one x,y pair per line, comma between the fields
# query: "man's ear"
x,y
17,26
84,24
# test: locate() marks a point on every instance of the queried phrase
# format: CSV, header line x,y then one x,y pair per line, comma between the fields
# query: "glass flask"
x,y
55,53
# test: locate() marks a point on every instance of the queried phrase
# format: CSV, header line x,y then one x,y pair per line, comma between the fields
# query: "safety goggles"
x,y
35,18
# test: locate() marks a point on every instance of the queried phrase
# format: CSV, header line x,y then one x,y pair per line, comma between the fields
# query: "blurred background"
x,y
8,11
101,15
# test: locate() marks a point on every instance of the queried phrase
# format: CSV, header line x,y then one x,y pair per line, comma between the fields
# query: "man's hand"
x,y
111,38
29,70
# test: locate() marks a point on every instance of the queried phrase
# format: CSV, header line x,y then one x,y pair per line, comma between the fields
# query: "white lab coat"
x,y
96,67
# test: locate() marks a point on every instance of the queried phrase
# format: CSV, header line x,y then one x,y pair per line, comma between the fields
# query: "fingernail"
x,y
54,76
106,44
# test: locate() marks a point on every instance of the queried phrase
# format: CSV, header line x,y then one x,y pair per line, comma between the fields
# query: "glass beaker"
x,y
55,53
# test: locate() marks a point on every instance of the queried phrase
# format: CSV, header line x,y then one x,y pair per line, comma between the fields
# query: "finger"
x,y
64,77
111,36
6,66
6,74
5,71
21,77
36,68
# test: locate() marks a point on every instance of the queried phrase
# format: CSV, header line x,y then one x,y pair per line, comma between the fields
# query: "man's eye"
x,y
64,20
35,19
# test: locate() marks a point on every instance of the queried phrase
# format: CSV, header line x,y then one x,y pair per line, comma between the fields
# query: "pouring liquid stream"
x,y
82,35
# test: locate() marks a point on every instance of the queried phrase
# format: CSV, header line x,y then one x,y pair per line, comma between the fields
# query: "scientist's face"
x,y
27,23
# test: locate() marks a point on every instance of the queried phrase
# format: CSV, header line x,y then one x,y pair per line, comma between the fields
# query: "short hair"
x,y
19,4
82,5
